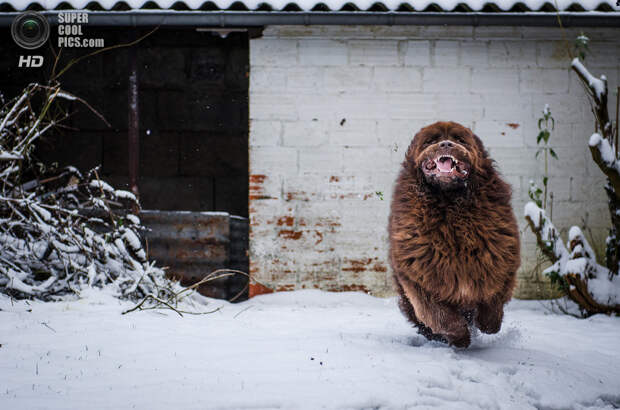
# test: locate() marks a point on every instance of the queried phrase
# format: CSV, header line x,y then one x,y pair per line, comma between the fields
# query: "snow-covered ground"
x,y
292,350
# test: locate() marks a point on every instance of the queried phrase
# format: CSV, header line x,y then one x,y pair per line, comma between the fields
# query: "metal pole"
x,y
173,18
133,131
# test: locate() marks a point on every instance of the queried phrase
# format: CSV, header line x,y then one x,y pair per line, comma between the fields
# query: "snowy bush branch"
x,y
574,265
597,89
603,155
603,143
62,231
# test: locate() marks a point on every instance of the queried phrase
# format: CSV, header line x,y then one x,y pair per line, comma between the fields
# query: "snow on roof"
x,y
322,5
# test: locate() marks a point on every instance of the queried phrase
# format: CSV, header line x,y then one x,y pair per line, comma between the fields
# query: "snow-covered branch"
x,y
574,264
597,88
547,236
603,154
597,85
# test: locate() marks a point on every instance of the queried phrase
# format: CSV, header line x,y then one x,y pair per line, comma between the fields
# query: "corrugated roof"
x,y
319,5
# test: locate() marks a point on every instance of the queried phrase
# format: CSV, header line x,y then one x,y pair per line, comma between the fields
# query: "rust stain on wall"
x,y
358,265
297,196
354,288
286,220
259,197
513,125
379,267
256,188
290,234
257,178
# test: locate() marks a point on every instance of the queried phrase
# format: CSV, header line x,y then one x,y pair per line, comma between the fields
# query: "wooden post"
x,y
133,129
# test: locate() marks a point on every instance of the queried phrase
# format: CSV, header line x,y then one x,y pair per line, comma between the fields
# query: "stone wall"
x,y
332,110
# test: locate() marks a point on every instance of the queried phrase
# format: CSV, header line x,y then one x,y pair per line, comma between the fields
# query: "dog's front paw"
x,y
460,339
489,319
457,333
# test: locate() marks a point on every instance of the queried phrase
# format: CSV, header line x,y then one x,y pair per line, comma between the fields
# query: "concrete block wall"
x,y
333,109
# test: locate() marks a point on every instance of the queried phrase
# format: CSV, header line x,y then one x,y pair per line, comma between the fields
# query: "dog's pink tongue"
x,y
444,164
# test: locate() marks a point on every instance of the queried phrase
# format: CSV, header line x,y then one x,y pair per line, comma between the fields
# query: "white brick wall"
x,y
333,108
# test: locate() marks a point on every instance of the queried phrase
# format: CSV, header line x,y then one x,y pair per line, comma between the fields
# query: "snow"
x,y
44,213
98,184
575,234
12,111
577,265
583,38
549,234
9,156
306,5
296,350
534,213
122,194
604,147
606,150
133,219
598,85
134,243
66,96
605,290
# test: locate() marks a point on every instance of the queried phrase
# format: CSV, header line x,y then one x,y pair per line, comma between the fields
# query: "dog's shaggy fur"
x,y
454,240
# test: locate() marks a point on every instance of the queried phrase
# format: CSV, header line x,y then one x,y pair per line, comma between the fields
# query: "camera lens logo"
x,y
30,30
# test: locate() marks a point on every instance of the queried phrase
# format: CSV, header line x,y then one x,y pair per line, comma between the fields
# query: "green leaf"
x,y
545,180
540,120
546,135
552,123
539,137
553,154
537,153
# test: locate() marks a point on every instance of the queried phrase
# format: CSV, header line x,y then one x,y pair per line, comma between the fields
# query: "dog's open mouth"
x,y
445,165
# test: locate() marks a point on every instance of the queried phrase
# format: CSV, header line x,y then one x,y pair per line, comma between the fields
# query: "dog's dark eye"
x,y
431,140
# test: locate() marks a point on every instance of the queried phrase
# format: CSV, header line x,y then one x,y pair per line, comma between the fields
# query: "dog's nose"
x,y
445,144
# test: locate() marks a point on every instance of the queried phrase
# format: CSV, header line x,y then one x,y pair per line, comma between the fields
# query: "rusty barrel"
x,y
193,244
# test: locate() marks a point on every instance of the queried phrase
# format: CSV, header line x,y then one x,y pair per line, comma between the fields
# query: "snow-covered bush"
x,y
61,231
595,288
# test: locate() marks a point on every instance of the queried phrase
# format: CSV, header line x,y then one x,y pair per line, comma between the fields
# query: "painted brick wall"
x,y
332,110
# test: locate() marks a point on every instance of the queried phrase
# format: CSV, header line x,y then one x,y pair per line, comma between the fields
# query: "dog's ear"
x,y
480,147
415,142
485,164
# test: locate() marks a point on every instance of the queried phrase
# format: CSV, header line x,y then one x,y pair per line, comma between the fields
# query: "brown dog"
x,y
454,240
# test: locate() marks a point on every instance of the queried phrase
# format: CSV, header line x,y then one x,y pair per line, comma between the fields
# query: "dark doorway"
x,y
193,99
